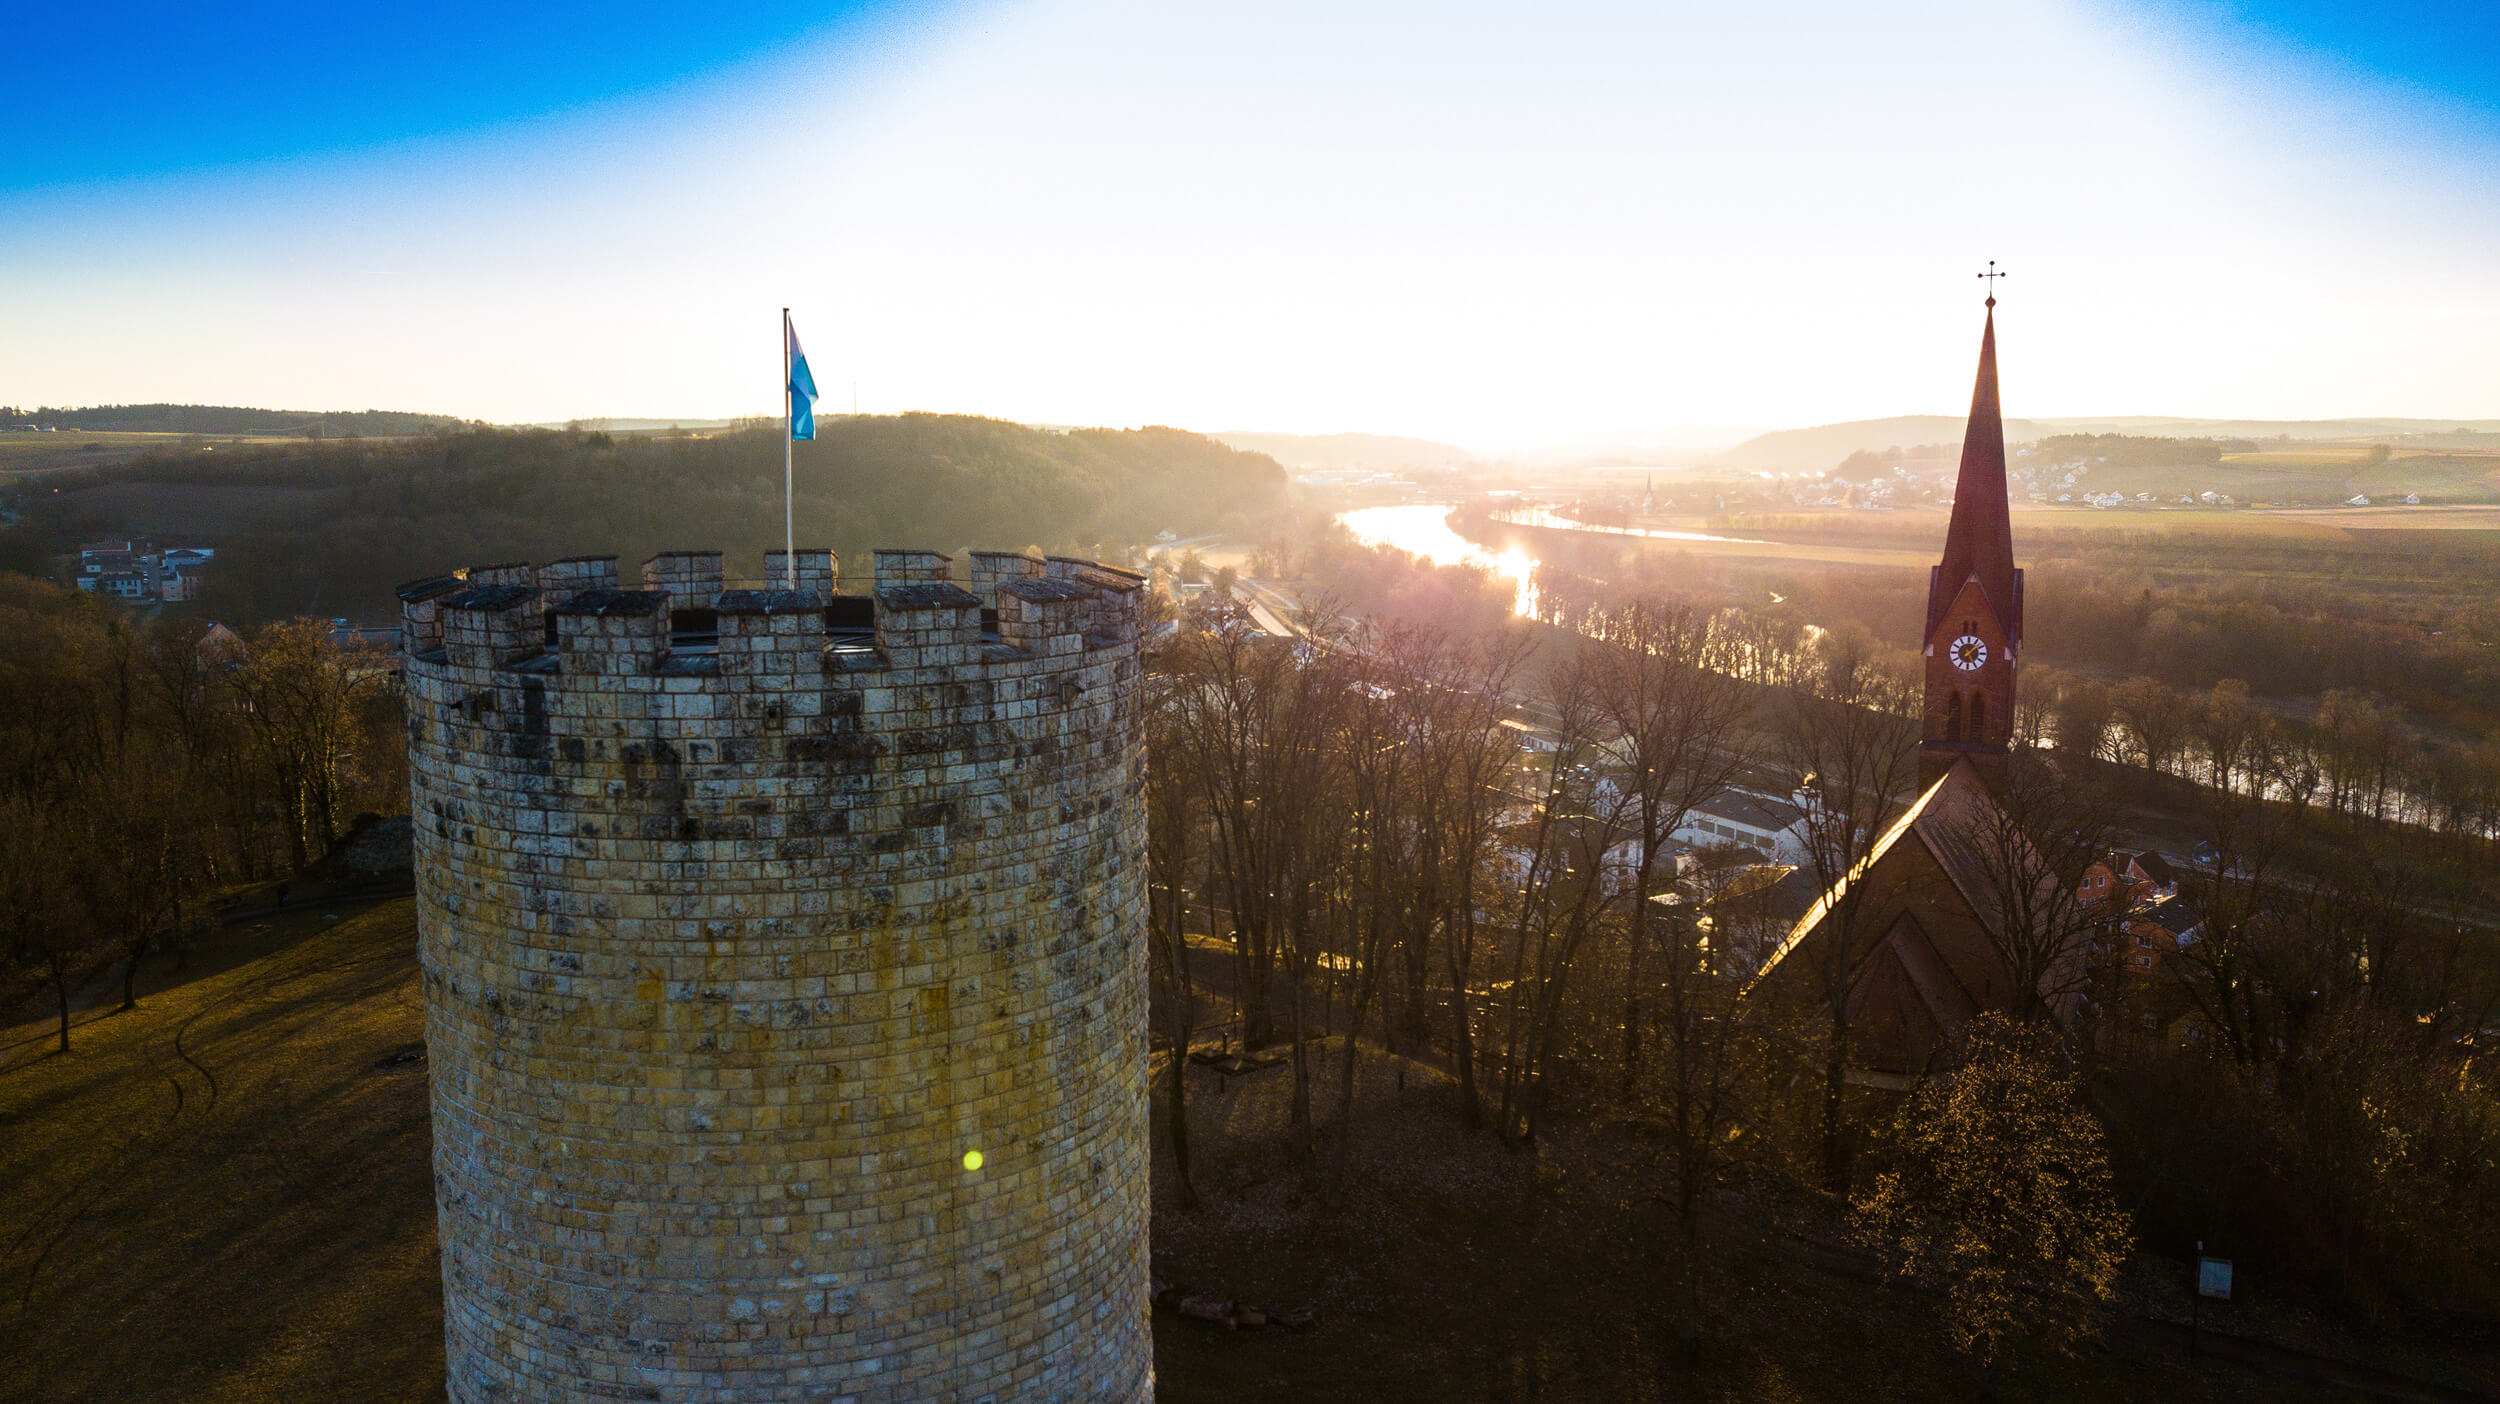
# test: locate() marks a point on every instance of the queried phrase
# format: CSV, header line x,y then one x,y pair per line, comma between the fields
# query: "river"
x,y
1423,529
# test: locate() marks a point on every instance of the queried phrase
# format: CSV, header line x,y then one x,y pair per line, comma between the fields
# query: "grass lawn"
x,y
226,1195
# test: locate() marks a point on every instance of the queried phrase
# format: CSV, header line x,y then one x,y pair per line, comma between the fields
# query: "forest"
x,y
2136,451
331,527
149,767
2308,1080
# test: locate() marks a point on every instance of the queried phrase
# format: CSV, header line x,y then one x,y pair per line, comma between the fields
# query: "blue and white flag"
x,y
802,386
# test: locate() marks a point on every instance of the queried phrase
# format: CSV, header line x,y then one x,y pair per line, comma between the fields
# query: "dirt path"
x,y
225,1195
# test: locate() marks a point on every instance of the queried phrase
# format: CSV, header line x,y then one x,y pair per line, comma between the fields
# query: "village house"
x,y
1772,827
121,584
136,570
2138,892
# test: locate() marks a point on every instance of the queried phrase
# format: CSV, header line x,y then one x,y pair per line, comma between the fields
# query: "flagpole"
x,y
789,527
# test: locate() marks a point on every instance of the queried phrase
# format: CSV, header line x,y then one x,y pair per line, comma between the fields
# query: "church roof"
x,y
1980,539
1955,822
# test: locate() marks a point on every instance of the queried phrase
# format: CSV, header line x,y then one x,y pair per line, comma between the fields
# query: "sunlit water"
x,y
1424,530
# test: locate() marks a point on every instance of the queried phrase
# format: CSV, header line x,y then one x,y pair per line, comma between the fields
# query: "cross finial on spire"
x,y
1991,275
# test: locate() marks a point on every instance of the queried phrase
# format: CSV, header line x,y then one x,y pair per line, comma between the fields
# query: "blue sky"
x,y
1586,219
2450,48
117,91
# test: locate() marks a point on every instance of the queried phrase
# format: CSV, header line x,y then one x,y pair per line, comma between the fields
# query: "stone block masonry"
x,y
785,974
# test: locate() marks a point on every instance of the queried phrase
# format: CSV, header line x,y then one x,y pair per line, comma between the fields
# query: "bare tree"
x,y
1854,733
2158,718
2084,710
1658,684
41,929
2028,851
2224,729
304,700
1709,1036
134,858
1379,858
1234,675
1460,692
1171,820
1557,856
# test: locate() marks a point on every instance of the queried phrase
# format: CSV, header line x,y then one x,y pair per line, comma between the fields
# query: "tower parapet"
x,y
784,964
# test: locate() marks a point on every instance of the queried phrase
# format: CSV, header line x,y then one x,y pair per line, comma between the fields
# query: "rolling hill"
x,y
1384,452
332,527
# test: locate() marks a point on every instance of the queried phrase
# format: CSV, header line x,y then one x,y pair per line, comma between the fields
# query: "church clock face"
x,y
1967,652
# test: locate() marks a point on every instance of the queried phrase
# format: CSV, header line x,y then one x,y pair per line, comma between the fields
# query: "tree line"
x,y
2330,709
146,767
2135,450
230,419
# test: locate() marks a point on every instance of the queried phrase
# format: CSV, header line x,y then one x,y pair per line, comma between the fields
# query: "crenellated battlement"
x,y
568,618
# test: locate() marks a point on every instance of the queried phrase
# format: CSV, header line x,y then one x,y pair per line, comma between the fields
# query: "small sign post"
x,y
2213,1279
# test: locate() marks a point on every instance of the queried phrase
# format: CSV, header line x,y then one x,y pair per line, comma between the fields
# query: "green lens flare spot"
x,y
972,1160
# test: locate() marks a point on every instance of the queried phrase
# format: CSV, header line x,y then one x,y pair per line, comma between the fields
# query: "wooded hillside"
x,y
330,528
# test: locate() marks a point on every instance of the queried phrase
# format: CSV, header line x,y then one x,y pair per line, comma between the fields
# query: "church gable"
x,y
1971,612
1892,1028
1940,991
1921,903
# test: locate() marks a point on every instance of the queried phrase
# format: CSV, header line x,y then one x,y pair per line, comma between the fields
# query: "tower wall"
x,y
742,923
1969,714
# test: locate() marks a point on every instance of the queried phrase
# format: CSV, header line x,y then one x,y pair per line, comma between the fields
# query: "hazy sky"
x,y
1492,224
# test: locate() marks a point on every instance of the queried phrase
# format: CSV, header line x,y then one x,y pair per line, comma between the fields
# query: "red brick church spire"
x,y
1975,595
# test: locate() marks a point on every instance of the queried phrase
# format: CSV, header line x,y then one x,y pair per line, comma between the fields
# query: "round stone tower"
x,y
785,985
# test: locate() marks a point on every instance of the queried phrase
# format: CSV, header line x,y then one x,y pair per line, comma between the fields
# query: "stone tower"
x,y
785,982
1974,601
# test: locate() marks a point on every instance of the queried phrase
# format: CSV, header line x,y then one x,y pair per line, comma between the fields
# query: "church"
x,y
1912,936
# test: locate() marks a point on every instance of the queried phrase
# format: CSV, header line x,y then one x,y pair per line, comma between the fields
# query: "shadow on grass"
x,y
227,1194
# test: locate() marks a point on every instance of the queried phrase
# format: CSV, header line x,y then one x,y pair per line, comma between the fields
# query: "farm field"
x,y
2313,476
205,510
22,453
2243,524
